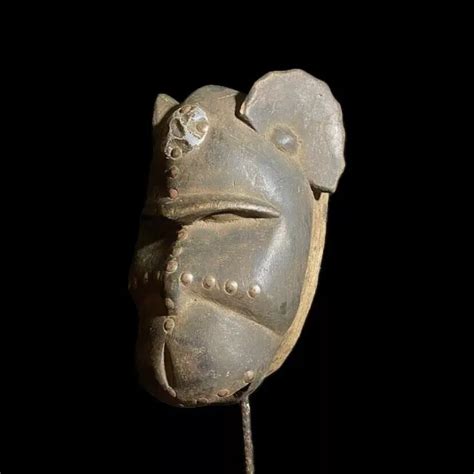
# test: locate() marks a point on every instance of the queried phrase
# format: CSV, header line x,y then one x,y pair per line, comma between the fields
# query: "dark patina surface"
x,y
232,233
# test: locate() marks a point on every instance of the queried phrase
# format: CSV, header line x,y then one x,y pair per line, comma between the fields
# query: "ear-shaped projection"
x,y
163,104
300,116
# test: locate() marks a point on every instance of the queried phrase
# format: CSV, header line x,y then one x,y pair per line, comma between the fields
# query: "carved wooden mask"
x,y
232,234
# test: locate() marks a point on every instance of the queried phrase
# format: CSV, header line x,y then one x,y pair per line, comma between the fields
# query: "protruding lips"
x,y
189,208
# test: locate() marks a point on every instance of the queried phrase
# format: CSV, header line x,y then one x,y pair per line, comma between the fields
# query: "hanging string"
x,y
247,432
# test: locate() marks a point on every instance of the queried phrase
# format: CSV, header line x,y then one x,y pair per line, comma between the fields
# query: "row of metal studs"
x,y
208,282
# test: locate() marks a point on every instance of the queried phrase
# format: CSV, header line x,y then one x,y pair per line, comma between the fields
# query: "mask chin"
x,y
208,355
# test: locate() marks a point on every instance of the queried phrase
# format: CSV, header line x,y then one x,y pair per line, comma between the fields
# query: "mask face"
x,y
232,233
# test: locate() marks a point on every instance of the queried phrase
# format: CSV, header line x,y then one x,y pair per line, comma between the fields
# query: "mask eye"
x,y
221,217
191,208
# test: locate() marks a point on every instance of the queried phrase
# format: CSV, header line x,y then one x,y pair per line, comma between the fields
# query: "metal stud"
x,y
254,291
177,251
174,171
223,392
182,234
145,278
249,376
168,324
173,193
187,278
169,303
175,153
209,282
231,287
202,127
172,266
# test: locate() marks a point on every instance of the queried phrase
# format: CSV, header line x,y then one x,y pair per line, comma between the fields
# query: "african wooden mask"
x,y
232,234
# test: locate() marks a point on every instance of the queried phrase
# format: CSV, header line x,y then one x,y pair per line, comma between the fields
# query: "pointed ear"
x,y
300,116
163,104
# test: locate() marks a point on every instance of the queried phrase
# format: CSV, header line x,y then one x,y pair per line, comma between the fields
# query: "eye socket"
x,y
191,208
221,217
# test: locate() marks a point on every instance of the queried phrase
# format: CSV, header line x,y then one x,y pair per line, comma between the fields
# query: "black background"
x,y
291,411
334,402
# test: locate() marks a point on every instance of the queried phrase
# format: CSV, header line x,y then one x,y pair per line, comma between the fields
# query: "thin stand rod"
x,y
247,431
